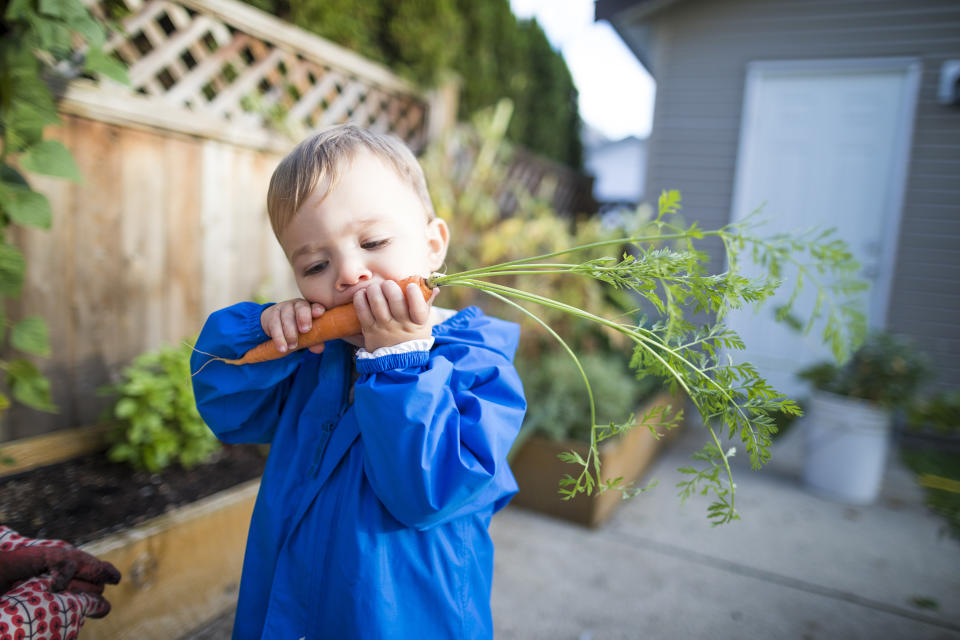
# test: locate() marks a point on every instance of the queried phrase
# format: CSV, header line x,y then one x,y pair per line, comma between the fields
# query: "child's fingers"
x,y
288,322
379,307
304,315
419,309
317,310
273,327
394,296
362,308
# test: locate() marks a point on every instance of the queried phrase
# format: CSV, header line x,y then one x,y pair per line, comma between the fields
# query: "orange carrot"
x,y
338,322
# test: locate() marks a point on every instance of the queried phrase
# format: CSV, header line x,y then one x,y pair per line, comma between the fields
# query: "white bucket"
x,y
846,447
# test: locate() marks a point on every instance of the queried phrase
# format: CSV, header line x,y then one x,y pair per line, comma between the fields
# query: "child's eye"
x,y
315,269
374,244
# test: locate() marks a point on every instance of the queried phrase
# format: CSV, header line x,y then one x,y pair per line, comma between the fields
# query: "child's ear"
x,y
438,237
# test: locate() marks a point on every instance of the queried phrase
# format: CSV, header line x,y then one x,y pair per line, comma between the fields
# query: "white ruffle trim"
x,y
422,344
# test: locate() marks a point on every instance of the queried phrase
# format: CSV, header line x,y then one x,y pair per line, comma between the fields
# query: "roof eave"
x,y
616,10
627,18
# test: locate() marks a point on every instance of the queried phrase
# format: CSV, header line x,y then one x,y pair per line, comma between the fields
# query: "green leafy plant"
x,y
886,369
42,43
558,406
156,415
939,412
939,474
466,171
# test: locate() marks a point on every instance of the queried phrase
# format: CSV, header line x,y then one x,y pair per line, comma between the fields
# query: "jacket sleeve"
x,y
436,430
240,403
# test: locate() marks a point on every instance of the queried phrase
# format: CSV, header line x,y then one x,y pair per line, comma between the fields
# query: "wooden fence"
x,y
569,192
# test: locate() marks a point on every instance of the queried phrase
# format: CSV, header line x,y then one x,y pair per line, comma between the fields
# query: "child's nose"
x,y
352,271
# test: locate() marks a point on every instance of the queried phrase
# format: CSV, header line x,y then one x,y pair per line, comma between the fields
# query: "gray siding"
x,y
702,57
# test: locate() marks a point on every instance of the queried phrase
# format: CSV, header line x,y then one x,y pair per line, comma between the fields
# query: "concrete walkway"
x,y
795,566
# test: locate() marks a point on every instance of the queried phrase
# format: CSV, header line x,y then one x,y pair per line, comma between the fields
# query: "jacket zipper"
x,y
329,426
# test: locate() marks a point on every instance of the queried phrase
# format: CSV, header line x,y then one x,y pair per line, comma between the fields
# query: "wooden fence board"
x,y
183,231
98,220
145,185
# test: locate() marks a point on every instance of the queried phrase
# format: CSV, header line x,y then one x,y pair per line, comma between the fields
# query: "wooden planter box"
x,y
180,569
538,470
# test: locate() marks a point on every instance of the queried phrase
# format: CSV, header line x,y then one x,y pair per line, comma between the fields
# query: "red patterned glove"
x,y
22,558
48,588
31,611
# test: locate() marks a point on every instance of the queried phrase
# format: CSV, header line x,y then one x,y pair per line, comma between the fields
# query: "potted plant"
x,y
850,417
555,429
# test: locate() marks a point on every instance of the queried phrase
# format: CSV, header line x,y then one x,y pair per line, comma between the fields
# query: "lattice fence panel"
x,y
181,55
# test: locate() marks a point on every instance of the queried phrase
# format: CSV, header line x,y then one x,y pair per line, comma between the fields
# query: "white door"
x,y
823,144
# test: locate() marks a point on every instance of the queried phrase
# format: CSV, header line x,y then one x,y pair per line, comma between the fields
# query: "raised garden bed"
x,y
89,497
177,536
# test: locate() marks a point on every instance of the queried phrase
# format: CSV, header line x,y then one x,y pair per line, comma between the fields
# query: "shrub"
x,y
558,403
466,171
886,369
157,419
939,412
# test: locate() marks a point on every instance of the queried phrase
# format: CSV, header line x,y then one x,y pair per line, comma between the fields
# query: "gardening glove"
x,y
22,558
32,611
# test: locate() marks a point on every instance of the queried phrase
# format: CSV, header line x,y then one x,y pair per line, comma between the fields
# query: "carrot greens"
x,y
687,344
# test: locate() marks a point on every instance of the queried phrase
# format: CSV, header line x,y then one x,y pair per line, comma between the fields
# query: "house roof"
x,y
612,10
627,17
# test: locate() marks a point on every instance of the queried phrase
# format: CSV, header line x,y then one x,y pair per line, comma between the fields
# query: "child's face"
x,y
370,227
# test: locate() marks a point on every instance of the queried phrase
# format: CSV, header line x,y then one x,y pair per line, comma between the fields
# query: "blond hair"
x,y
316,163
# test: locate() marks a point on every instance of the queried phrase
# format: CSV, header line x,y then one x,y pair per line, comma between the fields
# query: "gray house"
x,y
839,114
619,167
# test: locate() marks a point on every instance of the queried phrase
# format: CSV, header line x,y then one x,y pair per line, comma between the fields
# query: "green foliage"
x,y
939,412
502,57
354,25
412,38
37,47
559,408
548,116
466,171
156,415
942,500
417,37
886,369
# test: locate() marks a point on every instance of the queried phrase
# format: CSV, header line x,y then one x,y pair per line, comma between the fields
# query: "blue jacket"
x,y
372,516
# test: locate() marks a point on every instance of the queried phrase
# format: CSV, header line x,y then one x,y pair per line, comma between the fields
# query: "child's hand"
x,y
285,321
389,315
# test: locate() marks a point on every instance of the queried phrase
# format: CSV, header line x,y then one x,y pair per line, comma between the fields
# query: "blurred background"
x,y
138,140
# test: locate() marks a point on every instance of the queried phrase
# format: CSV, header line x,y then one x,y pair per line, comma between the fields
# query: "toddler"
x,y
388,449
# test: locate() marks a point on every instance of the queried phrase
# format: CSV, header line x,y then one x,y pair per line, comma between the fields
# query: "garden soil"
x,y
90,497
